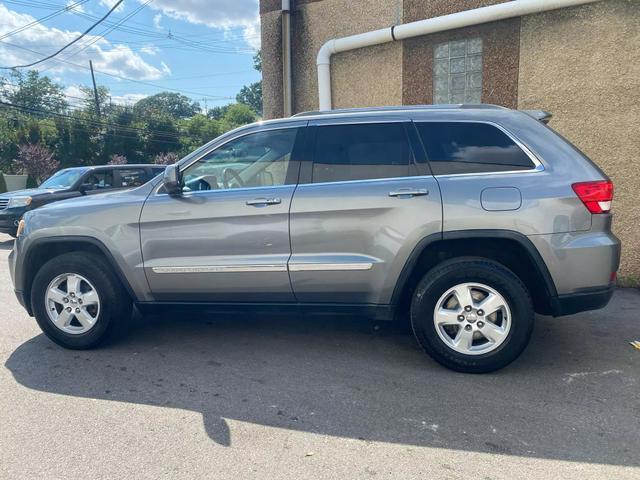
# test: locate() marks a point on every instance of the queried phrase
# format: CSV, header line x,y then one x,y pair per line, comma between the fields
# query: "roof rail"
x,y
539,115
398,108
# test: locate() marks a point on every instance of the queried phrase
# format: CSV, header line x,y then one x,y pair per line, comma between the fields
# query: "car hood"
x,y
29,192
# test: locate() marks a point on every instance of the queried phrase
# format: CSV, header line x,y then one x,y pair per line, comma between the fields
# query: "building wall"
x,y
370,76
583,65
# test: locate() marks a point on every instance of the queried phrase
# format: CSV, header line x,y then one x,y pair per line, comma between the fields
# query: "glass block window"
x,y
457,71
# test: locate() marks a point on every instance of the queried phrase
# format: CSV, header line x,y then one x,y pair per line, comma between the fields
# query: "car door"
x,y
226,238
362,205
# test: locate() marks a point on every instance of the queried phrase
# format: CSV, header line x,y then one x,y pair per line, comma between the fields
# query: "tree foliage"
x,y
174,105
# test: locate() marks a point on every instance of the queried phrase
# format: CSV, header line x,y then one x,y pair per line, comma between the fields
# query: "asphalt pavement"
x,y
249,397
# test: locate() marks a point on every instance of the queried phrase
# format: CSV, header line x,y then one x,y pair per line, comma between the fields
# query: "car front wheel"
x,y
472,315
77,300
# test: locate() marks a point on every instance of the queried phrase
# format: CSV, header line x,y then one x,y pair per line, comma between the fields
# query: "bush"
x,y
36,161
167,158
117,159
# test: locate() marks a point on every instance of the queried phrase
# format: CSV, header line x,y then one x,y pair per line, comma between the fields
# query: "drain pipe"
x,y
492,13
286,58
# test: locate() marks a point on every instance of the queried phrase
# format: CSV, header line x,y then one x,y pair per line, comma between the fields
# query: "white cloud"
x,y
74,91
111,3
75,94
128,98
150,49
223,14
76,8
116,59
156,21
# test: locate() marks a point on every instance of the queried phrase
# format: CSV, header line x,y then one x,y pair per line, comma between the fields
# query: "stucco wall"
x,y
370,76
271,38
583,65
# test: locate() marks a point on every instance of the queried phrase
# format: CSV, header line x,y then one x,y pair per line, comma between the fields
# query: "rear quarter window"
x,y
468,147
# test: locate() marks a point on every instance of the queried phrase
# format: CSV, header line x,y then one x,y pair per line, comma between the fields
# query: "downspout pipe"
x,y
287,97
477,16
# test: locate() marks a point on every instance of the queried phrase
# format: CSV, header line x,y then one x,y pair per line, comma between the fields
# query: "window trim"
x,y
306,169
538,165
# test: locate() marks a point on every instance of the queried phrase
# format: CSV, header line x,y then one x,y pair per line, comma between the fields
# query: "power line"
x,y
110,29
40,20
97,123
109,134
104,17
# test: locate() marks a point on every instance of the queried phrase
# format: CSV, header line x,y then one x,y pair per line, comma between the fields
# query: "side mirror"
x,y
171,180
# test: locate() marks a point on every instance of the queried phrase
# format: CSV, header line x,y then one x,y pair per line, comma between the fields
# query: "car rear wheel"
x,y
78,301
472,315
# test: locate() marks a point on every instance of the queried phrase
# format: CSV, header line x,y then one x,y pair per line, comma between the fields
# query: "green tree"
x,y
198,130
238,114
175,105
257,61
217,113
251,95
34,93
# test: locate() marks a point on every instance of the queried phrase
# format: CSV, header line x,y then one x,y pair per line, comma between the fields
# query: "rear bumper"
x,y
581,302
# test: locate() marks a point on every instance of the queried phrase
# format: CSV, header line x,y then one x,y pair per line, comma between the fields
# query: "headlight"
x,y
19,202
21,226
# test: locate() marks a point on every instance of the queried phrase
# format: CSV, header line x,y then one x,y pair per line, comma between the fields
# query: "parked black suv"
x,y
69,183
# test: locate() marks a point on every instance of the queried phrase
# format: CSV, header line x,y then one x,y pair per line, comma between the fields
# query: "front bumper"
x,y
581,302
9,219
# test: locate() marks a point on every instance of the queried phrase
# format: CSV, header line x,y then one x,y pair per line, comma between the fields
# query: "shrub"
x,y
167,158
36,161
117,159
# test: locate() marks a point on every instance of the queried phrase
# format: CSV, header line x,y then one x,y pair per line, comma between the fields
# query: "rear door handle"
x,y
257,202
409,192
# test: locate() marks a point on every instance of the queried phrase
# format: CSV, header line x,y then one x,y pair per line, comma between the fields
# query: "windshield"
x,y
63,178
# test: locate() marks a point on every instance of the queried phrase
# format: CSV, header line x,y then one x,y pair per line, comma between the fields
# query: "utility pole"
x,y
95,89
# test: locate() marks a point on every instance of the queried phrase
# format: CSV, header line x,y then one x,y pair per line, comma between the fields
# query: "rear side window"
x,y
133,177
361,152
465,147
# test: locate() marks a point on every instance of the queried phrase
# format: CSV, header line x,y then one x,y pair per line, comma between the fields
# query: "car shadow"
x,y
573,395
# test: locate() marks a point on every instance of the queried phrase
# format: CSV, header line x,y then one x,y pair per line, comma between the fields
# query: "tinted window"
x,y
256,160
133,177
359,152
460,147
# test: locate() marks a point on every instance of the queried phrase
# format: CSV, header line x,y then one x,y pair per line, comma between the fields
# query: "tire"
x,y
112,309
481,342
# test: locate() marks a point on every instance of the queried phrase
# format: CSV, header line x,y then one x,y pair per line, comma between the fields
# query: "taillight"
x,y
596,196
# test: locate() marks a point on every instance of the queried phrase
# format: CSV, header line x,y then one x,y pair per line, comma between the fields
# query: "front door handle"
x,y
409,192
257,202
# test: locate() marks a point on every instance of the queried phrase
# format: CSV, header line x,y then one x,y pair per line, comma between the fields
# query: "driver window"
x,y
255,160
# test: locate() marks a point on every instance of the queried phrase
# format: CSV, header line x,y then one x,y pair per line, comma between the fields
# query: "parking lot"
x,y
185,396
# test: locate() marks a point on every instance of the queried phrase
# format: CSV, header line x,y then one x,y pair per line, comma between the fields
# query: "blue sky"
x,y
202,48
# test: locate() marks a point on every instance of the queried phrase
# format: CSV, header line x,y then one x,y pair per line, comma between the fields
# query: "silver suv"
x,y
467,218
